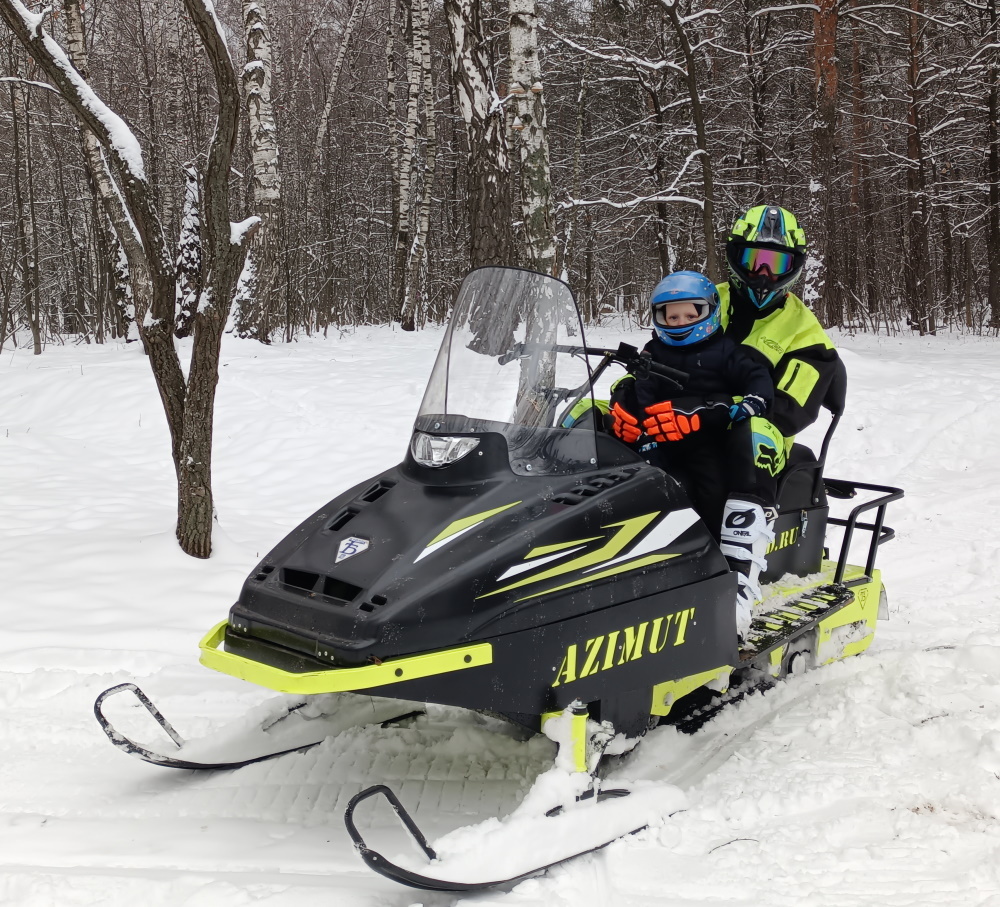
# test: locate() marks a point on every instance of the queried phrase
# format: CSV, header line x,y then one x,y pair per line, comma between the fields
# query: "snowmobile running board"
x,y
287,730
377,862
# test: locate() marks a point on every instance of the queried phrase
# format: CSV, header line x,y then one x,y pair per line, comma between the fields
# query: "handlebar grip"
x,y
673,374
644,366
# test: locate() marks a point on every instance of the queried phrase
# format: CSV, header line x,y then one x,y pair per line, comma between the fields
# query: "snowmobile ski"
x,y
553,838
280,728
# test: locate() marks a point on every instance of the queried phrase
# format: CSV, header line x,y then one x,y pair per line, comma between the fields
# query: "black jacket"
x,y
719,367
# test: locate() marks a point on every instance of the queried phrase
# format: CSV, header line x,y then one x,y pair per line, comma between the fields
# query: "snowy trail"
x,y
875,781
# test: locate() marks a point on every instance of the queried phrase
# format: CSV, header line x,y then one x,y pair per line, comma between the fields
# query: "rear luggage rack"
x,y
880,533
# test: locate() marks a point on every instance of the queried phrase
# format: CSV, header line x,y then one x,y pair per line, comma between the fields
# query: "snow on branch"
x,y
241,232
792,7
29,82
209,8
694,17
632,202
613,53
28,27
906,10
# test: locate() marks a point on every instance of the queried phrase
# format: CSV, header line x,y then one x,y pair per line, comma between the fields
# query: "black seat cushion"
x,y
797,479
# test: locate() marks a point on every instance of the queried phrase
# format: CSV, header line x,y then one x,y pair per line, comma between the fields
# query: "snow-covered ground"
x,y
873,781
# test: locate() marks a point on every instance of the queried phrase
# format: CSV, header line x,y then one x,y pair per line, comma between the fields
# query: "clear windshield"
x,y
511,363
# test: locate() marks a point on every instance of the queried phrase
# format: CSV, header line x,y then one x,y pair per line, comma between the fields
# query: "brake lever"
x,y
642,366
515,352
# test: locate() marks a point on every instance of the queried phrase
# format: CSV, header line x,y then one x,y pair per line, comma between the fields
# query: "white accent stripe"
x,y
430,549
537,562
662,534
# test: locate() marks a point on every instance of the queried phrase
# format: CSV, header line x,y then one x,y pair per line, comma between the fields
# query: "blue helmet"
x,y
686,286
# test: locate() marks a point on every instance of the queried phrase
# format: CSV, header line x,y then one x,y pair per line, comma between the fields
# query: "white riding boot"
x,y
746,533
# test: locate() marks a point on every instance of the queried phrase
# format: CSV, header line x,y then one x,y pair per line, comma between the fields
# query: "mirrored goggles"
x,y
772,261
662,310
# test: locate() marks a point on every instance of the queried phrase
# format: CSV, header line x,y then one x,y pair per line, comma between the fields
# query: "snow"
x,y
238,231
874,781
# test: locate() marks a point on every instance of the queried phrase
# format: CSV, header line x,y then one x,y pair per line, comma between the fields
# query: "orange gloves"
x,y
624,424
666,423
670,420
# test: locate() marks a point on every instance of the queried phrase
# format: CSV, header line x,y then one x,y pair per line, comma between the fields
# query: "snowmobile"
x,y
522,562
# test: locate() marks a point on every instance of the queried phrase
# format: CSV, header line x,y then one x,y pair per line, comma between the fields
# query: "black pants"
x,y
741,461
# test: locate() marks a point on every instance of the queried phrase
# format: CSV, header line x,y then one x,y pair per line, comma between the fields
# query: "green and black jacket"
x,y
794,346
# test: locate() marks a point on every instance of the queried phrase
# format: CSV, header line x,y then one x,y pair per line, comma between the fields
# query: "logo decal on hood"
x,y
351,546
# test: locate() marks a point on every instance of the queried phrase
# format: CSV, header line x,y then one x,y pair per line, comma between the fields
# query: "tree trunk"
x,y
712,269
110,206
821,292
27,250
190,265
394,150
536,179
223,256
331,91
861,235
258,321
488,163
914,268
408,151
416,252
993,171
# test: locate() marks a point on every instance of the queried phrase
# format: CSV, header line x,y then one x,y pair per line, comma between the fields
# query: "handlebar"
x,y
640,365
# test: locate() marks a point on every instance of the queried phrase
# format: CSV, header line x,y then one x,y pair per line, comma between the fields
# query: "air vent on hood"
x,y
377,490
595,485
337,588
342,519
300,579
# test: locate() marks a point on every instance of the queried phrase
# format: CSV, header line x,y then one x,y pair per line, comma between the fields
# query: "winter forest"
x,y
387,147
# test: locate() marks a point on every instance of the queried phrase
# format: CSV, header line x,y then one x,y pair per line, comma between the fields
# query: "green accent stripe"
x,y
552,549
468,521
629,530
799,380
592,577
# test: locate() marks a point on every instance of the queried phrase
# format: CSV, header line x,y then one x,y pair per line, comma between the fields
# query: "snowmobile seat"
x,y
802,497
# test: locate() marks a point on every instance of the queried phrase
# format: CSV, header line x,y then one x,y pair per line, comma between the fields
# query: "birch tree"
x,y
110,209
532,136
414,208
487,157
256,319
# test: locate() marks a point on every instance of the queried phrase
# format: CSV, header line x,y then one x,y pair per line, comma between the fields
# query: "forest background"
x,y
389,145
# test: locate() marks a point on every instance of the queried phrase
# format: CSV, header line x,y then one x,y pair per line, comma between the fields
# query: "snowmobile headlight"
x,y
440,450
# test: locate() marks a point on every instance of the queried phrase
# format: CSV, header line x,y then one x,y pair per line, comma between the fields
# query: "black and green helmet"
x,y
766,251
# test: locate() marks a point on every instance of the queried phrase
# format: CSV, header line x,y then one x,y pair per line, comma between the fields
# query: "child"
x,y
701,435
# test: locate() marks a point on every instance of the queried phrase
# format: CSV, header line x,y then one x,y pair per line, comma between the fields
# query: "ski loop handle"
x,y
147,704
400,811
